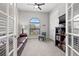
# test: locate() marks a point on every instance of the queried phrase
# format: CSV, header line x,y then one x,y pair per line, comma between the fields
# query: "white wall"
x,y
53,23
54,20
25,17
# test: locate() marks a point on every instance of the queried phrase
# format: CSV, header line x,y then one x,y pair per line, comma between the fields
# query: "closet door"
x,y
72,31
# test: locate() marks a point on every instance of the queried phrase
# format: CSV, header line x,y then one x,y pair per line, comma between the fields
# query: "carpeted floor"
x,y
34,47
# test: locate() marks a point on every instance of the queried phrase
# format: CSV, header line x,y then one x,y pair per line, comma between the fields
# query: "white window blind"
x,y
75,9
76,43
3,24
11,25
3,47
10,43
3,7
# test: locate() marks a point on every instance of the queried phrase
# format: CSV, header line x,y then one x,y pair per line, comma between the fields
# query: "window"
x,y
35,26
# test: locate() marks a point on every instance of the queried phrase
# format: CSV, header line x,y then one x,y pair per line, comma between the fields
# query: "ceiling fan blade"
x,y
36,3
41,4
39,8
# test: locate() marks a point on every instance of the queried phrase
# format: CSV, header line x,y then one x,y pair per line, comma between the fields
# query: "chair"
x,y
43,36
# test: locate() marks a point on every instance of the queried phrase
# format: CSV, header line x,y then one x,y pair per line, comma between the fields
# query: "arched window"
x,y
35,20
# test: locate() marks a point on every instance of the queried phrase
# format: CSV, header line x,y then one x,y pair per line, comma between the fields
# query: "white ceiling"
x,y
28,7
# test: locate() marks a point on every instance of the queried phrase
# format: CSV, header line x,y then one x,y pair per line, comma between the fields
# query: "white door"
x,y
72,29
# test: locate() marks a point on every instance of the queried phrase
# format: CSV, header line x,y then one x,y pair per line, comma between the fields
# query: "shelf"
x,y
11,34
61,27
76,17
73,49
70,6
3,13
2,49
11,52
60,34
76,28
58,40
73,34
11,17
1,37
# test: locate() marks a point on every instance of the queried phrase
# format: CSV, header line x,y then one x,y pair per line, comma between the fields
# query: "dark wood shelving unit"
x,y
60,34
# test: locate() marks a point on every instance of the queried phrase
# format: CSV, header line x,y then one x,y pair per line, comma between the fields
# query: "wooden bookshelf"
x,y
60,34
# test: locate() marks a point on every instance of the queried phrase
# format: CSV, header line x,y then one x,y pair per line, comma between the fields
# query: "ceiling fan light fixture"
x,y
35,6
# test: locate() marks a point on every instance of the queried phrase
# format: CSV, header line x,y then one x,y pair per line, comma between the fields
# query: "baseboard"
x,y
50,39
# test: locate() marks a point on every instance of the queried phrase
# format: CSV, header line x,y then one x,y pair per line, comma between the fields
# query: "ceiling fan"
x,y
37,5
